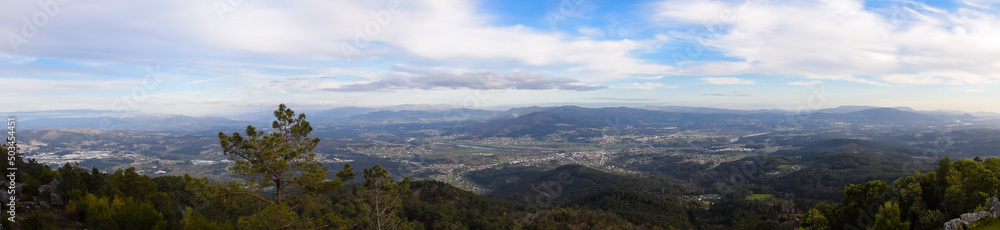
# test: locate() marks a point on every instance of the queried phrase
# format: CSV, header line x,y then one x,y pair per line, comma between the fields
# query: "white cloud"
x,y
29,86
983,4
692,11
973,91
907,43
591,32
733,94
727,81
482,81
643,86
814,82
266,52
450,33
198,81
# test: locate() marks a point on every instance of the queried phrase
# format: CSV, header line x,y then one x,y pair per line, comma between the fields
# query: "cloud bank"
x,y
481,81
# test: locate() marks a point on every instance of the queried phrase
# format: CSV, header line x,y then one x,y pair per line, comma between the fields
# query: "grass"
x,y
989,224
758,196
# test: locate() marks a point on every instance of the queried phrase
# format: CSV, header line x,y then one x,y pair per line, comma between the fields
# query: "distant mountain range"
x,y
688,109
542,121
151,123
512,122
885,115
337,114
585,122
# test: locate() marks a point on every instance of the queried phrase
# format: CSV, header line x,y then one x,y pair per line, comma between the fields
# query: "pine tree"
x,y
282,160
381,198
888,218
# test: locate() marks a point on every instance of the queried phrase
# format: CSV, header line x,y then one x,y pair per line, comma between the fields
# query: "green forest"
x,y
919,201
280,185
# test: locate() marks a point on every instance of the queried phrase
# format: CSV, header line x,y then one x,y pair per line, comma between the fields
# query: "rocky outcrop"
x,y
995,207
50,187
954,224
969,218
54,198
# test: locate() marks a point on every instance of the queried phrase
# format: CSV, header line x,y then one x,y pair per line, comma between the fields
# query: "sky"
x,y
238,56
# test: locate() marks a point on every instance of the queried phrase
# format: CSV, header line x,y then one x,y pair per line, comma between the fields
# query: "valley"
x,y
623,141
688,170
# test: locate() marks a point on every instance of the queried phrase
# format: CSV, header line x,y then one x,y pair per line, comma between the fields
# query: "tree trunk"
x,y
279,187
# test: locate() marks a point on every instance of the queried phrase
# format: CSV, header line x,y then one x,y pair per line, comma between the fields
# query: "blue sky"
x,y
230,57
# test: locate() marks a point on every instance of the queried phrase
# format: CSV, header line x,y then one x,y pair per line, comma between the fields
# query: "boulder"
x,y
969,218
51,186
995,207
954,224
55,199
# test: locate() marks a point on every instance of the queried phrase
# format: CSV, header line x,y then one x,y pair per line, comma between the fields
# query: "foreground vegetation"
x,y
918,201
281,185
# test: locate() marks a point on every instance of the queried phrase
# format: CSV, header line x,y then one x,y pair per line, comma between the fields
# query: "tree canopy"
x,y
281,161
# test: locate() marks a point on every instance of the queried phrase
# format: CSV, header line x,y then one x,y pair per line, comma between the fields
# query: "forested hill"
x,y
277,182
919,201
570,182
71,197
281,185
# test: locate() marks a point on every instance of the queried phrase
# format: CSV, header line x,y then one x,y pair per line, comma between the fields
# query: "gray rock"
x,y
954,224
44,188
55,199
27,205
995,207
969,218
51,186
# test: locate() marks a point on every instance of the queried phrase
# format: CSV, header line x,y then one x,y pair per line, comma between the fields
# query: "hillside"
x,y
588,122
572,182
878,116
415,116
846,145
73,197
920,200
